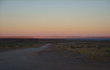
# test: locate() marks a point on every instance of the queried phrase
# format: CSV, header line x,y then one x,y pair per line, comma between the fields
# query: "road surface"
x,y
46,58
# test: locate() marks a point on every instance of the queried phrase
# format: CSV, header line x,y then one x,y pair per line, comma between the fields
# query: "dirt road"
x,y
46,58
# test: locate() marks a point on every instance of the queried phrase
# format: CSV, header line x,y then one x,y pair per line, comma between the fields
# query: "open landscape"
x,y
54,34
54,54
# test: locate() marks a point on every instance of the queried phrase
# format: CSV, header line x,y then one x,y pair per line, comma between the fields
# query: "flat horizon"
x,y
54,36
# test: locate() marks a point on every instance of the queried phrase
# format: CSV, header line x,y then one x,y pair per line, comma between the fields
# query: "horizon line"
x,y
34,37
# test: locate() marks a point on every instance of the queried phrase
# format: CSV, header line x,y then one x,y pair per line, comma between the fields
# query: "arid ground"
x,y
57,55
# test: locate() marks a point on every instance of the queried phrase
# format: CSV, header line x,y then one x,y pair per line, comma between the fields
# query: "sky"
x,y
54,17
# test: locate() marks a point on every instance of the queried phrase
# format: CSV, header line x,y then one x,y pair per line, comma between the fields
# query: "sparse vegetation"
x,y
6,44
98,50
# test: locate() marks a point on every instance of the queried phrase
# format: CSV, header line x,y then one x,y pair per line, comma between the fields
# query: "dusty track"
x,y
46,58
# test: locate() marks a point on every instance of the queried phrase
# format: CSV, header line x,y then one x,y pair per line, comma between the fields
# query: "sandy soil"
x,y
47,58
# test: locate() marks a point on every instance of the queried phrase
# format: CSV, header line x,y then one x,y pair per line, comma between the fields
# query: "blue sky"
x,y
65,14
55,7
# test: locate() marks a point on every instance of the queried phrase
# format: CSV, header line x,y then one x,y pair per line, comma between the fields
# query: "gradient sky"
x,y
54,17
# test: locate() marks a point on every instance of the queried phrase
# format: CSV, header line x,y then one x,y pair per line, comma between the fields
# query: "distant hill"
x,y
62,37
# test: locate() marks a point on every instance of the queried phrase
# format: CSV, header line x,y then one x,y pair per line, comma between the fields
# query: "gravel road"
x,y
46,58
